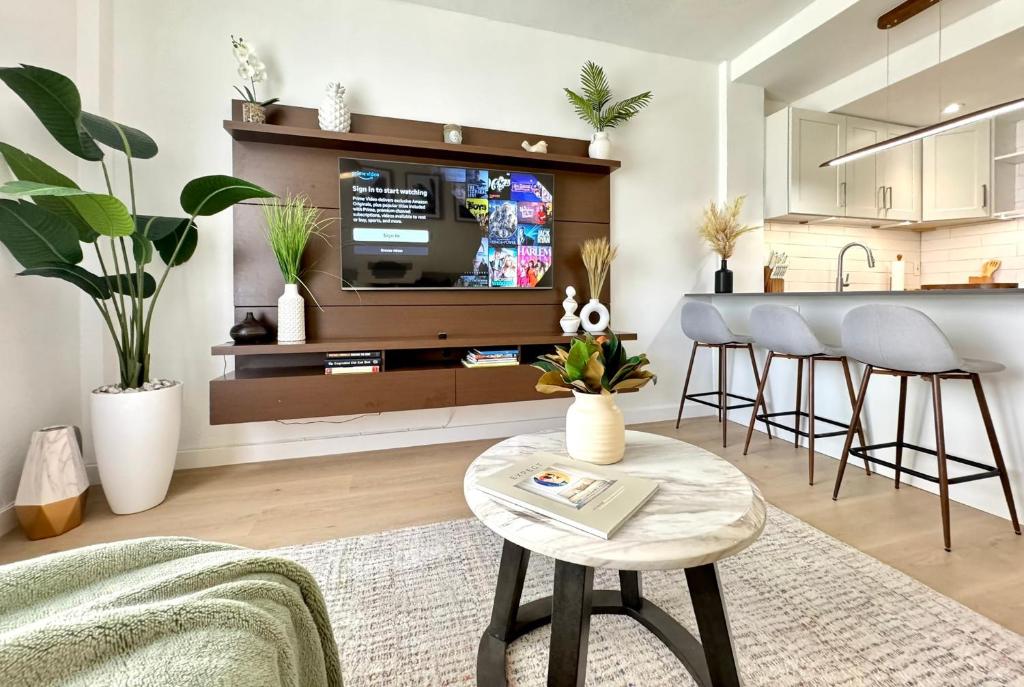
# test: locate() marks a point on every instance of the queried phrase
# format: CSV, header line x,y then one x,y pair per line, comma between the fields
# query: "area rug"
x,y
408,608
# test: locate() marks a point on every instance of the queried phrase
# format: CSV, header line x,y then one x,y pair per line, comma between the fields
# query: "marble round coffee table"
x,y
704,510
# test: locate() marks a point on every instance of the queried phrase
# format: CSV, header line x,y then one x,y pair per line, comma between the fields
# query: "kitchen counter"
x,y
871,294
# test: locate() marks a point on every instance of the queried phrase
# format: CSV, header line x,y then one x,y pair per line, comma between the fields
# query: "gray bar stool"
x,y
903,342
786,334
703,324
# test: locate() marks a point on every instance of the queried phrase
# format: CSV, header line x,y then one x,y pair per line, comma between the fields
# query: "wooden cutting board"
x,y
991,285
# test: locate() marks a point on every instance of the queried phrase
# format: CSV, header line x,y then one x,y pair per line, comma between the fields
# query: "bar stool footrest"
x,y
985,471
696,398
761,417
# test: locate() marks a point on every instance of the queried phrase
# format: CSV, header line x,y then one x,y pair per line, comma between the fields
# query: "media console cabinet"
x,y
422,334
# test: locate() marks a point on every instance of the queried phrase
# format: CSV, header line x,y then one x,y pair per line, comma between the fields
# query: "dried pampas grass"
x,y
721,227
597,257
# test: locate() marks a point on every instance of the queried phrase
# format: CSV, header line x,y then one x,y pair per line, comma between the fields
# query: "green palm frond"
x,y
592,106
595,85
624,110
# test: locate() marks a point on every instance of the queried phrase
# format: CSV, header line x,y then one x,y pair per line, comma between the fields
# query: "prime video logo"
x,y
368,175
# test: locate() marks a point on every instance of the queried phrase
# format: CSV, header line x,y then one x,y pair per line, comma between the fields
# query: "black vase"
x,y
723,279
249,331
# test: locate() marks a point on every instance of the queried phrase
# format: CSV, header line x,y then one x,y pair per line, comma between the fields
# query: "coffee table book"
x,y
591,499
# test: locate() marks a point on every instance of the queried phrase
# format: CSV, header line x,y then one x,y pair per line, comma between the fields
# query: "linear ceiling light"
x,y
918,134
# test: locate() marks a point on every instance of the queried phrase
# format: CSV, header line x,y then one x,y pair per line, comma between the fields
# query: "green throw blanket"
x,y
163,612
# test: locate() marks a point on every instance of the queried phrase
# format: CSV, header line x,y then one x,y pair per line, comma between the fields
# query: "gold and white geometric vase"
x,y
54,484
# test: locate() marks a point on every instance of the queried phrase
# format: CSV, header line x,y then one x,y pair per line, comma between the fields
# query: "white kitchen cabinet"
x,y
957,173
865,187
797,142
900,178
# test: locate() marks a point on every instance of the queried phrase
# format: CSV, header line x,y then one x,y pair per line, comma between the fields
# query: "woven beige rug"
x,y
408,608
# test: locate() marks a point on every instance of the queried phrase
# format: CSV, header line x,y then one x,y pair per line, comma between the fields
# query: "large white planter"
x,y
135,435
595,431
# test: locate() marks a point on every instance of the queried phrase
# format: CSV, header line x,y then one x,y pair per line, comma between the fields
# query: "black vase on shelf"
x,y
249,331
723,278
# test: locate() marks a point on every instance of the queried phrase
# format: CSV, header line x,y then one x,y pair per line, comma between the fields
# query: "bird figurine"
x,y
538,147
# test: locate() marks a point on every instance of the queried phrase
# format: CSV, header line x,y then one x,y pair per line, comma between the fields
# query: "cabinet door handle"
x,y
984,195
888,202
842,194
880,202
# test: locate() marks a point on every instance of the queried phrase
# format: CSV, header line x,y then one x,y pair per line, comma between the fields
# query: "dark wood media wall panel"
x,y
290,154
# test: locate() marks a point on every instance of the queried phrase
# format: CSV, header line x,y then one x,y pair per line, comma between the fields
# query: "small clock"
x,y
452,133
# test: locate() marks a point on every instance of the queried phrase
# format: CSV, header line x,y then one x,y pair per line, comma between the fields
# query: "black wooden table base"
x,y
574,600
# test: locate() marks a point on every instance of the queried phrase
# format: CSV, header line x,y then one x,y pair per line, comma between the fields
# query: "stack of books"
x,y
352,362
477,357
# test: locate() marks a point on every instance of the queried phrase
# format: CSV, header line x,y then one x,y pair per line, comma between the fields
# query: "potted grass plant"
x,y
721,229
595,107
594,369
50,224
291,223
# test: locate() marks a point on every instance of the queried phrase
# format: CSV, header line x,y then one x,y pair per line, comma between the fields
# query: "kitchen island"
x,y
980,323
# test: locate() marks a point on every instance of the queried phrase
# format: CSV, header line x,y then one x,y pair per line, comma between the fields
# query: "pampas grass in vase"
x,y
597,255
720,229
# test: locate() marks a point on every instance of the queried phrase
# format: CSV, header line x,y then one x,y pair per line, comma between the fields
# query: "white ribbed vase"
x,y
291,316
595,431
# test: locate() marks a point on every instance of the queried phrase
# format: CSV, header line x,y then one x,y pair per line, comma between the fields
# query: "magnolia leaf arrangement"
x,y
50,235
595,105
250,68
597,255
721,226
592,366
290,225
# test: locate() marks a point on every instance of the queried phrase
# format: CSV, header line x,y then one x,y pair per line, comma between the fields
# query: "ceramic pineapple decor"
x,y
333,112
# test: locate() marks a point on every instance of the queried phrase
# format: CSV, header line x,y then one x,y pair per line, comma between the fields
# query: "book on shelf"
x,y
493,353
343,355
588,498
477,357
351,362
352,370
490,363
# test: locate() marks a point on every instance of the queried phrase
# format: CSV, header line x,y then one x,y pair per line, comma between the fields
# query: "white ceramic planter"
x,y
136,440
600,146
595,431
291,316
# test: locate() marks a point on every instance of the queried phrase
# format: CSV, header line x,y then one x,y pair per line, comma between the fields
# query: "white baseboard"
x,y
352,443
8,520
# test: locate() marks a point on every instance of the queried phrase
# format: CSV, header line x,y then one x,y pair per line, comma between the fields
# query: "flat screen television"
x,y
415,226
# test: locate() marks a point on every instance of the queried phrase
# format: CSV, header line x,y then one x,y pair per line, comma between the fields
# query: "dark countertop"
x,y
871,294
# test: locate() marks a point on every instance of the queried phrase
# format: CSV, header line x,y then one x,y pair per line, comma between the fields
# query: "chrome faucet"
x,y
841,281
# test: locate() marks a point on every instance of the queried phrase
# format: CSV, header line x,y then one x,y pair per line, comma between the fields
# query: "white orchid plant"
x,y
251,69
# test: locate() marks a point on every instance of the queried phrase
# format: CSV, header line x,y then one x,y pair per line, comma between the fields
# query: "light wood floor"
x,y
300,501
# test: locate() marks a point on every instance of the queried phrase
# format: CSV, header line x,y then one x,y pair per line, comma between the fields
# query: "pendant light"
x,y
886,22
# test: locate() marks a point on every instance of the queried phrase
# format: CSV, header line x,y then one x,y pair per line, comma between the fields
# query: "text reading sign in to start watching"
x,y
391,235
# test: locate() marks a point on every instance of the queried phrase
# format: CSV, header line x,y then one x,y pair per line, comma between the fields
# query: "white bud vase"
x,y
592,307
291,316
595,431
600,146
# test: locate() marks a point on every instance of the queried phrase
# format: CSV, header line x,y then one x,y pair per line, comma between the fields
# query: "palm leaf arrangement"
x,y
592,366
721,226
595,106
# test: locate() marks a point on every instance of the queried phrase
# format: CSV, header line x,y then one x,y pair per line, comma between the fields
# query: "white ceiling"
x,y
707,30
987,75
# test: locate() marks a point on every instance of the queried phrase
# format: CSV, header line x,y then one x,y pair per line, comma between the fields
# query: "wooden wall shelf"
x,y
394,145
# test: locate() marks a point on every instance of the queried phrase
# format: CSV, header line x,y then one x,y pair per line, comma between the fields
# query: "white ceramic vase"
x,y
333,114
600,146
595,431
54,484
595,307
291,316
135,435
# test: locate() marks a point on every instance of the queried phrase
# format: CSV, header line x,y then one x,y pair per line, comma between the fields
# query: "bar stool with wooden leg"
x,y
786,334
703,324
902,342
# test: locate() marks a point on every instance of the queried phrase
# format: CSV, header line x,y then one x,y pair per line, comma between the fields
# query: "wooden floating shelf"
x,y
400,343
393,145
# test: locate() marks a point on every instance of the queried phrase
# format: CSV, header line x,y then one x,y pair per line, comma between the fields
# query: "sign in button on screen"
x,y
391,235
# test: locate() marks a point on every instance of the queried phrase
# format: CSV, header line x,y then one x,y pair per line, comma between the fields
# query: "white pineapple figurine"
x,y
334,114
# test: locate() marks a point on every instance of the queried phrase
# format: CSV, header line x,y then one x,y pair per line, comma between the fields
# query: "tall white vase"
x,y
595,431
291,316
135,434
600,146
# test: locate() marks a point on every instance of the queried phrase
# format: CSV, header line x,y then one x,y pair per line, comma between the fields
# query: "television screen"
x,y
414,226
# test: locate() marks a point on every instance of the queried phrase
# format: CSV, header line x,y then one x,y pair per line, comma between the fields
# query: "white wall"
x,y
172,77
39,382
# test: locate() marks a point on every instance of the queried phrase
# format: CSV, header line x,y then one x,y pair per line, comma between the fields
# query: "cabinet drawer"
x,y
475,386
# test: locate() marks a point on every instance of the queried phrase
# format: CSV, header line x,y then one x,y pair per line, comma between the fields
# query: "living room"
x,y
288,289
